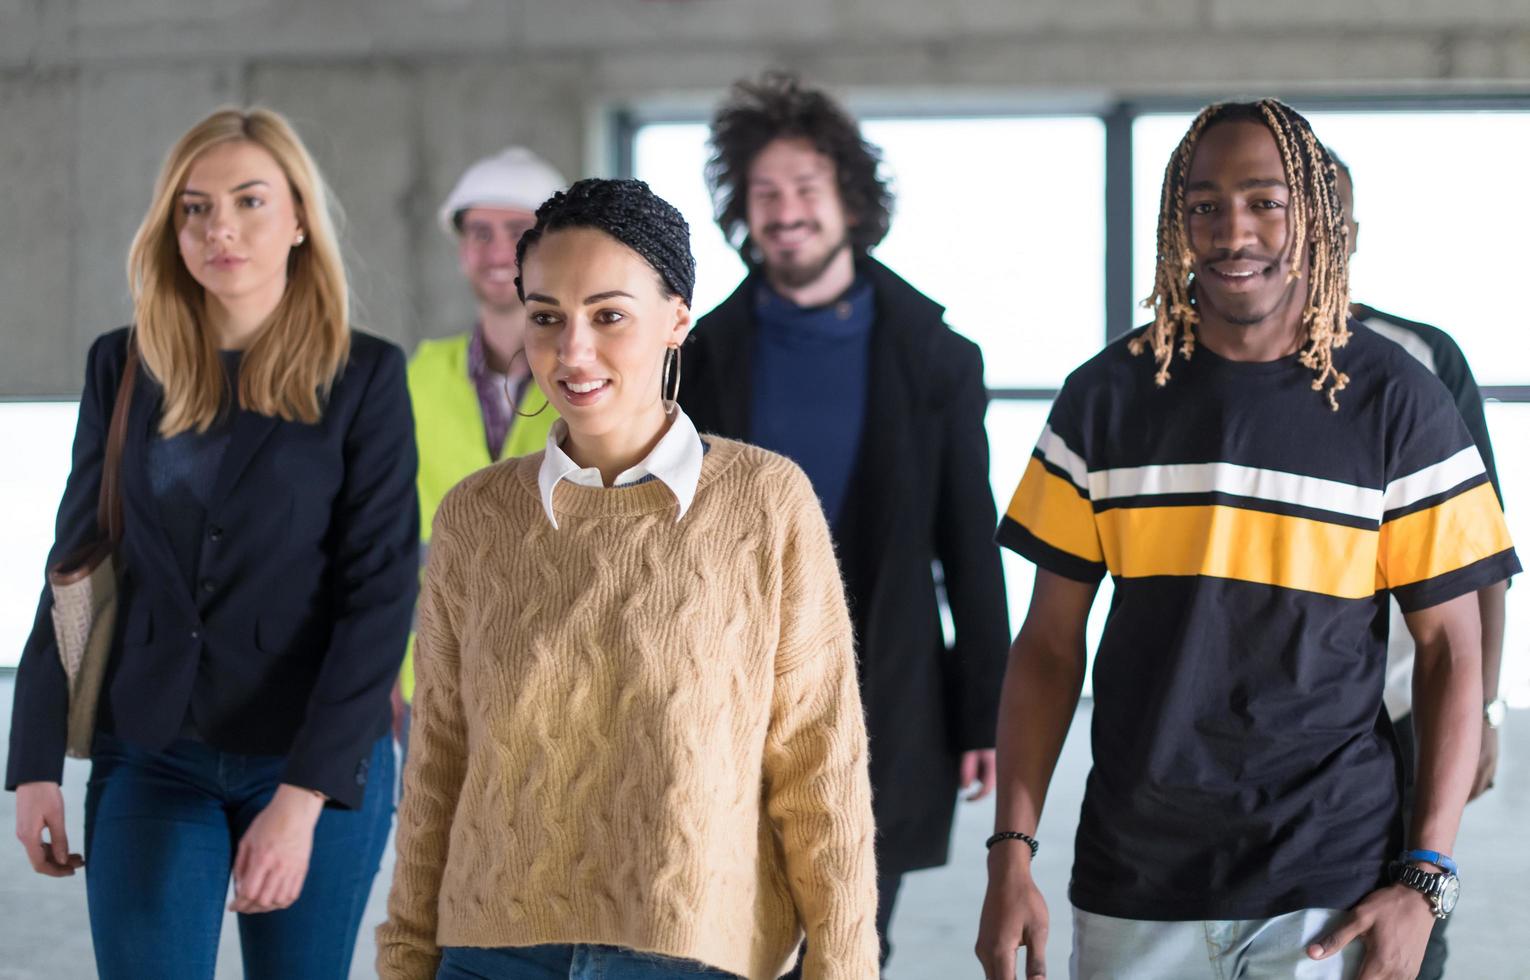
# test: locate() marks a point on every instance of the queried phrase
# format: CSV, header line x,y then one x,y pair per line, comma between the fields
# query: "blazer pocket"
x,y
283,635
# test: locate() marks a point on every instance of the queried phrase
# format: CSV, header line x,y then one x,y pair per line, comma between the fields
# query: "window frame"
x,y
1118,117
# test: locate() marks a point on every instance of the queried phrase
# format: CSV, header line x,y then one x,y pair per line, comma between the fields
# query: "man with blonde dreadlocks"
x,y
1258,478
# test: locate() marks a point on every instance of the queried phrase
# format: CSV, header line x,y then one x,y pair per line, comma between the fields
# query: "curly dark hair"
x,y
779,106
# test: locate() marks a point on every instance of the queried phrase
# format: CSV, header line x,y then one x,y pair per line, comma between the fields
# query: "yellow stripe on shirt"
x,y
1051,508
1246,545
1452,534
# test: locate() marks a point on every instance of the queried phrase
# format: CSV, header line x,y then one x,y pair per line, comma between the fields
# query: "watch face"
x,y
1450,894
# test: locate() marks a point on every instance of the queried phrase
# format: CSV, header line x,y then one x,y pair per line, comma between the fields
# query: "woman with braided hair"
x,y
1255,500
638,748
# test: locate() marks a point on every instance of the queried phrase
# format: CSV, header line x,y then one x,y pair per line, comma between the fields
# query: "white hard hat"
x,y
513,178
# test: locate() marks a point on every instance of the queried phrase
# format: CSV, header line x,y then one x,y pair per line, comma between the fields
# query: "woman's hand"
x,y
273,854
40,806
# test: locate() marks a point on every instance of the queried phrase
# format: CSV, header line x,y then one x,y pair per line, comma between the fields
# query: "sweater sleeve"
x,y
433,774
817,788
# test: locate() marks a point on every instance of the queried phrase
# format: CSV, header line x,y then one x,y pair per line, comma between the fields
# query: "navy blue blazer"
x,y
290,641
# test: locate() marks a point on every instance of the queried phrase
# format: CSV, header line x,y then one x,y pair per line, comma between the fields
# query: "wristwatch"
x,y
1494,713
1442,888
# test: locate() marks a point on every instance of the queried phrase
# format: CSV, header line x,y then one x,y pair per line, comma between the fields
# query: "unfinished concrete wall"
x,y
395,97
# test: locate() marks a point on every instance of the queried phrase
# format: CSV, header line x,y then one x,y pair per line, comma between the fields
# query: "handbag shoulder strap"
x,y
109,504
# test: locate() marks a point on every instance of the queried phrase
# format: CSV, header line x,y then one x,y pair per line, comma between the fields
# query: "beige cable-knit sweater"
x,y
636,732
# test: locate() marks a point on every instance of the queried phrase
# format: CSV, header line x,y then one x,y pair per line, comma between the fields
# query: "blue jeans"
x,y
563,962
161,832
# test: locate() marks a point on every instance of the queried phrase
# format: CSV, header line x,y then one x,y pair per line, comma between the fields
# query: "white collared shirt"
x,y
675,462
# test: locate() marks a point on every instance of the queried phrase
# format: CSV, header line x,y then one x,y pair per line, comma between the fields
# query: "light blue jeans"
x,y
1106,948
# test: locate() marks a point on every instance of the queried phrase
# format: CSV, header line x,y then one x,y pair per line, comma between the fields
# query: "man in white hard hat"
x,y
474,400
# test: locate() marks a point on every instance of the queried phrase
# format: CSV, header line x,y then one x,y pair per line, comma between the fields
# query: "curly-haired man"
x,y
825,355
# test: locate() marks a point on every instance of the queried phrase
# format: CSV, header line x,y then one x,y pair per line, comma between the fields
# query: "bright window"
x,y
1439,223
1509,428
1002,220
41,433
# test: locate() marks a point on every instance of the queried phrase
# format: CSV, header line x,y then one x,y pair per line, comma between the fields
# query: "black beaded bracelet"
x,y
1014,835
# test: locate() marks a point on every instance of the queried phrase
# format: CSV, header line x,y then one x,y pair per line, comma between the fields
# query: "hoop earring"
x,y
510,396
665,392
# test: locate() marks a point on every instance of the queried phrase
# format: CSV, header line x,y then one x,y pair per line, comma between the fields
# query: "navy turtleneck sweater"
x,y
810,384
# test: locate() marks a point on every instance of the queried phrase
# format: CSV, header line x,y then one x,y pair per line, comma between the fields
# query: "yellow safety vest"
x,y
448,428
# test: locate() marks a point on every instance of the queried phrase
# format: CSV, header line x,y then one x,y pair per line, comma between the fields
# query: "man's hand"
x,y
273,853
1487,763
1394,924
1014,915
40,806
981,768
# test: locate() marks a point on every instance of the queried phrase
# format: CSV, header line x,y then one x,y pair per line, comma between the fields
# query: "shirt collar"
x,y
675,462
477,362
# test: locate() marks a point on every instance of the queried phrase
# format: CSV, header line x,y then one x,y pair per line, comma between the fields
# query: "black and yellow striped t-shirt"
x,y
1243,766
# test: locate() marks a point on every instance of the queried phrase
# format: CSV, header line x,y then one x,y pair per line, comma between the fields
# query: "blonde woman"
x,y
638,749
268,566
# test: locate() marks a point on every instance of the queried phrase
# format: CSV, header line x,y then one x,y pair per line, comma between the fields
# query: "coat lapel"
x,y
143,417
247,433
880,486
875,495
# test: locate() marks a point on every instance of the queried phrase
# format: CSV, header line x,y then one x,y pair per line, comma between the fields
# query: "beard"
x,y
1248,319
1250,315
796,275
497,300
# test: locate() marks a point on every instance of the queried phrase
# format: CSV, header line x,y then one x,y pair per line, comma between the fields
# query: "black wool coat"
x,y
919,495
289,641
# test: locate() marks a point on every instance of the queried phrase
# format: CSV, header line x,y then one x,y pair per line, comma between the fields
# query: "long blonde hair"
x,y
288,369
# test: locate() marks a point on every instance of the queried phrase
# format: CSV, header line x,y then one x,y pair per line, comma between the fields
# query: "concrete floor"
x,y
44,935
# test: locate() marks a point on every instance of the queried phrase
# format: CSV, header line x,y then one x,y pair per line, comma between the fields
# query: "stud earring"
x,y
301,238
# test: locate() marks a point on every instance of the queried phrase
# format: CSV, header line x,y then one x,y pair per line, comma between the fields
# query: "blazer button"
x,y
209,585
361,772
214,532
196,634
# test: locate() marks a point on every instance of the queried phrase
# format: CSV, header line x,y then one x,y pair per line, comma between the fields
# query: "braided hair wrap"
x,y
630,212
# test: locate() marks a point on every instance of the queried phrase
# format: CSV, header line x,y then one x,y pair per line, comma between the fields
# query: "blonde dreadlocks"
x,y
1316,230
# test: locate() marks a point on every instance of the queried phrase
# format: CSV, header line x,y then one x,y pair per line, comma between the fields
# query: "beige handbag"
x,y
85,586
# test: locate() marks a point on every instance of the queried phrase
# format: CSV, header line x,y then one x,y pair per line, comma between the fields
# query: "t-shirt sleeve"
x,y
1442,530
1050,519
